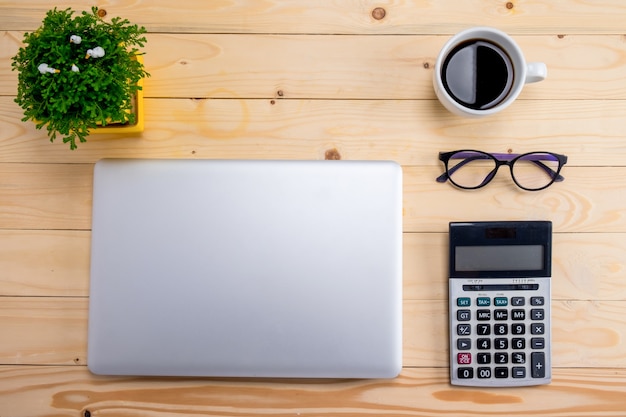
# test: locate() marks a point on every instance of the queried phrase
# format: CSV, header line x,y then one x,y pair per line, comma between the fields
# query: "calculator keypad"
x,y
500,339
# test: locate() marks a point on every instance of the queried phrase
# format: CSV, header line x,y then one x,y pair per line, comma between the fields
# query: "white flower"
x,y
43,68
75,68
96,52
76,39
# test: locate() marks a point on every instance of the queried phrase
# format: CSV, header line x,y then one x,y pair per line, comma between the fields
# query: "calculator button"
x,y
483,315
538,364
518,372
463,315
537,314
537,328
518,343
501,357
483,358
484,372
501,372
518,328
483,329
483,344
464,358
465,373
537,301
501,343
501,314
518,314
463,302
500,329
518,301
463,329
537,343
501,301
464,344
518,358
483,302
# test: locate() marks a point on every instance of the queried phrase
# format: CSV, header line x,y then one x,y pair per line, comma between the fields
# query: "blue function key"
x,y
483,301
463,302
501,301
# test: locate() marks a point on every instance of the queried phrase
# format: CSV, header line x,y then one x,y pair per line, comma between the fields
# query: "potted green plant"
x,y
77,73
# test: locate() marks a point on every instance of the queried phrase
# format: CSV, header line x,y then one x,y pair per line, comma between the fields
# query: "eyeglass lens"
x,y
533,171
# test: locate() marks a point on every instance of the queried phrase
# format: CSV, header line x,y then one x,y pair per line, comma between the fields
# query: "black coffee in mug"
x,y
477,74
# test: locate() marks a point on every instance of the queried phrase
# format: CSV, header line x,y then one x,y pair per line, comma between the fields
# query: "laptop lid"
x,y
246,268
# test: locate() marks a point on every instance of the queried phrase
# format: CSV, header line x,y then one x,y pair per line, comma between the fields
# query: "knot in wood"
x,y
332,155
379,13
102,12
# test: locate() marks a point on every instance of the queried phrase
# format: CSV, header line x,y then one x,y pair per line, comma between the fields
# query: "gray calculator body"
x,y
499,301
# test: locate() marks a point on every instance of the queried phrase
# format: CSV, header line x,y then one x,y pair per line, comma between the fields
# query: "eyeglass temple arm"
x,y
536,159
549,171
467,159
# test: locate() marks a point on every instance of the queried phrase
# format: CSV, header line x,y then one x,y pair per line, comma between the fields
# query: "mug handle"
x,y
536,71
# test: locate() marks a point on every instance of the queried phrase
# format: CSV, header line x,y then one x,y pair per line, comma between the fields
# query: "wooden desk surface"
x,y
305,79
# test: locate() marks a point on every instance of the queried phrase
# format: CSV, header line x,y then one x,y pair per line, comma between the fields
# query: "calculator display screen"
x,y
499,258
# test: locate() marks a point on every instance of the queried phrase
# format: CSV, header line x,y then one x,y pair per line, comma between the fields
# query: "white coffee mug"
x,y
457,81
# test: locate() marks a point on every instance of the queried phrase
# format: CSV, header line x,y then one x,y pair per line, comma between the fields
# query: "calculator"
x,y
499,301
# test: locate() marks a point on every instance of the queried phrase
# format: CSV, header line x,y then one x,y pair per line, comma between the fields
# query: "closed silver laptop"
x,y
246,268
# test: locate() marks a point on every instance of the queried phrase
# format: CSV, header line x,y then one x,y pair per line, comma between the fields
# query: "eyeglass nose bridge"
x,y
494,171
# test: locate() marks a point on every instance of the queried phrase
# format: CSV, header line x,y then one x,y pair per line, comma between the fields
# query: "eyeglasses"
x,y
531,171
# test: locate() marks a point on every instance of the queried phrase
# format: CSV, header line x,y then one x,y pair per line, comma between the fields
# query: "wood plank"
x,y
58,196
347,67
45,196
310,16
301,79
589,200
586,266
411,132
43,330
70,391
584,333
53,331
44,262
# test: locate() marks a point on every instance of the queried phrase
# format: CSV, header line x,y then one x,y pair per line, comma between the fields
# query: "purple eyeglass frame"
x,y
500,159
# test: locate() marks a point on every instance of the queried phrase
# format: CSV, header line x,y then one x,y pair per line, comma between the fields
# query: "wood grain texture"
x,y
53,331
303,79
70,391
58,196
354,16
45,196
585,266
593,200
347,67
43,330
411,132
44,262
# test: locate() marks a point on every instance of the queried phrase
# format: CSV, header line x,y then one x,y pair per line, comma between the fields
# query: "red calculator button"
x,y
464,358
